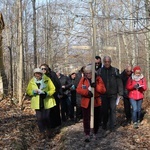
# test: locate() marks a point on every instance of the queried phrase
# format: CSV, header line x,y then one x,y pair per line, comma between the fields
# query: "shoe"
x,y
135,125
139,122
128,121
94,136
112,129
104,127
87,138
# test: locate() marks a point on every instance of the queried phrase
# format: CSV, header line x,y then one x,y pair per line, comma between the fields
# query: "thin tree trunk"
x,y
34,33
20,45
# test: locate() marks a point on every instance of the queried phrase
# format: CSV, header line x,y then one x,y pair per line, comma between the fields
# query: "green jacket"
x,y
49,101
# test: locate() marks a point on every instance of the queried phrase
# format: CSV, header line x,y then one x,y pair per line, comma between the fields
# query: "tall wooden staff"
x,y
93,62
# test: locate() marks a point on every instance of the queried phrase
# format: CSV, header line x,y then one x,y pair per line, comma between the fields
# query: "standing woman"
x,y
136,85
41,90
84,88
55,119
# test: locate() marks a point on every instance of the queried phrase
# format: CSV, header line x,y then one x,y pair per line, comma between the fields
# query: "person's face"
x,y
97,62
38,75
73,76
107,62
129,71
137,72
88,75
44,69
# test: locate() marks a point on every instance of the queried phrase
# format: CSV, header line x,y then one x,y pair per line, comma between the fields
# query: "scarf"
x,y
137,78
40,82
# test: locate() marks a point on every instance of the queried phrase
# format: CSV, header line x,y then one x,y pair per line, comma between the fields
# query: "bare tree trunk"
x,y
147,8
119,47
20,45
34,33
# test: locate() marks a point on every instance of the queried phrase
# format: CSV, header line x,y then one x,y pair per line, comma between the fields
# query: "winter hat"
x,y
38,70
88,68
136,68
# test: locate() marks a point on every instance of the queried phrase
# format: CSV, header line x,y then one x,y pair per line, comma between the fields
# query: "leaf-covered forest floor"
x,y
18,131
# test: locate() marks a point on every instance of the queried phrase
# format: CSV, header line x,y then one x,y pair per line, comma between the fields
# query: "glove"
x,y
93,84
136,86
43,95
90,94
35,92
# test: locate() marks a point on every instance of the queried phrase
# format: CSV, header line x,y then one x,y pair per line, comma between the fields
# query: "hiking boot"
x,y
87,138
104,127
135,125
139,122
94,136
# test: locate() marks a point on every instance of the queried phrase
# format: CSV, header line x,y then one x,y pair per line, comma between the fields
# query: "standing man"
x,y
98,66
127,106
114,87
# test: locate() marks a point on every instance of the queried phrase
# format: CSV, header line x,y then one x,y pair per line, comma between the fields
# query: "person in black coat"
x,y
55,119
73,93
114,87
127,106
65,96
79,75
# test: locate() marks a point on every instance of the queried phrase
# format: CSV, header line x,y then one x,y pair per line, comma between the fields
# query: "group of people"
x,y
54,96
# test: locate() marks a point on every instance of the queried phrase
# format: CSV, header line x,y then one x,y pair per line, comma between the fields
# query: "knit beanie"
x,y
136,68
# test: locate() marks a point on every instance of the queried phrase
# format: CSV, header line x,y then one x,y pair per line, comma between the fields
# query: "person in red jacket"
x,y
136,85
84,89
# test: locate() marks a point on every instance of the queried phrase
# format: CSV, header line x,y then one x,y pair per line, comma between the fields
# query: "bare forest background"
x,y
60,33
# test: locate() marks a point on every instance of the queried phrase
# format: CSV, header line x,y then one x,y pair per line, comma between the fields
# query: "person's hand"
x,y
35,92
43,95
136,86
93,84
120,97
63,87
90,94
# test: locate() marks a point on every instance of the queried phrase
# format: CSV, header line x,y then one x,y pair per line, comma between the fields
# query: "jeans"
x,y
136,109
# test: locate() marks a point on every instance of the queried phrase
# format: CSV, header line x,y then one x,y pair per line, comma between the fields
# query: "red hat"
x,y
136,68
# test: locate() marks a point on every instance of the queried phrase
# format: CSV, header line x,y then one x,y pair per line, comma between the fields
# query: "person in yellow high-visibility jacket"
x,y
41,90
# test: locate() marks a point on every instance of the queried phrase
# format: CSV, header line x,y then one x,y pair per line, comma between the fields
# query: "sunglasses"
x,y
43,68
97,63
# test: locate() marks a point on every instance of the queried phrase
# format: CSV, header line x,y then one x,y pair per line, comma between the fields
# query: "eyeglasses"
x,y
128,71
43,68
97,63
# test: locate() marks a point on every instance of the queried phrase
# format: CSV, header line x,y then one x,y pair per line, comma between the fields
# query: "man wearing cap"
x,y
41,90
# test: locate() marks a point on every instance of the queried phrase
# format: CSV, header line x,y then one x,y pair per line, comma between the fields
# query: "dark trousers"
x,y
86,119
55,118
66,110
127,108
109,110
79,114
43,120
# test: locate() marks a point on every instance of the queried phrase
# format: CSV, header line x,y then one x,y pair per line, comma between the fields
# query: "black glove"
x,y
93,84
43,95
136,86
90,94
